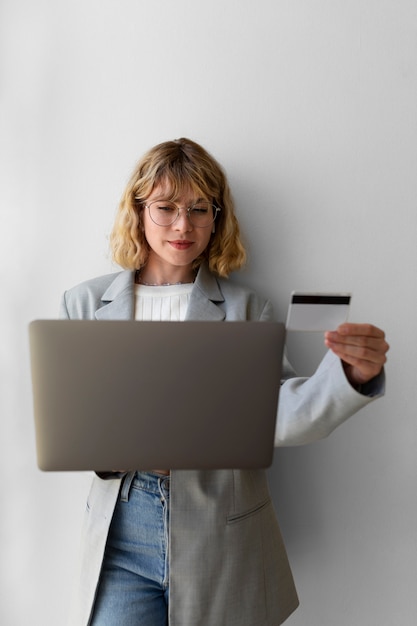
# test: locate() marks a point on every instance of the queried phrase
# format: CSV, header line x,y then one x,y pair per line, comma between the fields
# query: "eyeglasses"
x,y
202,214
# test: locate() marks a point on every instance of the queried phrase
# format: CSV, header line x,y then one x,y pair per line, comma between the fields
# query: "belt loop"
x,y
126,485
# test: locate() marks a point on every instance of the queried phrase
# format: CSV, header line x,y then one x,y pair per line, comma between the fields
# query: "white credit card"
x,y
317,311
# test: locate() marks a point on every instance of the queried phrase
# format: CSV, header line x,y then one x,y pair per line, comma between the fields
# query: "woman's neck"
x,y
144,276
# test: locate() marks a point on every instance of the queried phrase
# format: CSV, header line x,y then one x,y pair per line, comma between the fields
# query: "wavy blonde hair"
x,y
179,164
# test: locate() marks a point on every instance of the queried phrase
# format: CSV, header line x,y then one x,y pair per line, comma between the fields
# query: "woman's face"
x,y
173,248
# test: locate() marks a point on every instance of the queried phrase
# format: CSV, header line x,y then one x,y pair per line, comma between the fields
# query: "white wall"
x,y
311,107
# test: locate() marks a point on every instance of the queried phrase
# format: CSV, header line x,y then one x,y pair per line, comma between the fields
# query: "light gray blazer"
x,y
228,564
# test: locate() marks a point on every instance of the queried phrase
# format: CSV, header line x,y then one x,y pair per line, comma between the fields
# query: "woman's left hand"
x,y
362,348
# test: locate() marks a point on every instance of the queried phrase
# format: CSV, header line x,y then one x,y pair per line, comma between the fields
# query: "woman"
x,y
199,547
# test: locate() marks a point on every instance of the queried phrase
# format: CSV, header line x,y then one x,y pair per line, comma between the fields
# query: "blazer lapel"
x,y
119,298
205,298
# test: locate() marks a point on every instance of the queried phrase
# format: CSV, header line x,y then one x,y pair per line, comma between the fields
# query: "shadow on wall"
x,y
295,477
297,474
305,350
294,481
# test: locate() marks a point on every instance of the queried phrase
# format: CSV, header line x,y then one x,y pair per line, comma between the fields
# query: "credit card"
x,y
317,311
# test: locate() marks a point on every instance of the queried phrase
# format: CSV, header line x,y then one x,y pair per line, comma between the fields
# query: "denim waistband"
x,y
147,481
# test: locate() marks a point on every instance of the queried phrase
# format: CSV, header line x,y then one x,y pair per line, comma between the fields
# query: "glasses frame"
x,y
215,208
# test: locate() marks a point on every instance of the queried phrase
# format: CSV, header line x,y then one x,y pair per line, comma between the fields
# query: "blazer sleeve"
x,y
309,409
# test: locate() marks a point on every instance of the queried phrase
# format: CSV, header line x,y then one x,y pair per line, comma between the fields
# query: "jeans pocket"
x,y
240,517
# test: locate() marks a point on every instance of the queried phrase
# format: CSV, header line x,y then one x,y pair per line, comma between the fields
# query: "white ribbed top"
x,y
166,303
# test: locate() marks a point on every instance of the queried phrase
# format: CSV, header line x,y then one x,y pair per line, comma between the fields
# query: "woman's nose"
x,y
183,221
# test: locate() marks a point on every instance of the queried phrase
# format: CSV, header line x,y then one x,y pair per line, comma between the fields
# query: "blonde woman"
x,y
189,548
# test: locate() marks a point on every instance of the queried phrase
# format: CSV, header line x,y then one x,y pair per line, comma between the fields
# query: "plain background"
x,y
310,105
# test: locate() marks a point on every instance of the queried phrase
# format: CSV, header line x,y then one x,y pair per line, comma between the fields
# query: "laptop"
x,y
133,395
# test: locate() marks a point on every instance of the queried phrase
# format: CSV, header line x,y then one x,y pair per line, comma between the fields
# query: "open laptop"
x,y
123,395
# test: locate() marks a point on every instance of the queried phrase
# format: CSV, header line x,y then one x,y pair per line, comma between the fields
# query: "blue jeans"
x,y
133,586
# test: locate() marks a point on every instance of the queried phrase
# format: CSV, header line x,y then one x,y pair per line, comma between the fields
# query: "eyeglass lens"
x,y
165,213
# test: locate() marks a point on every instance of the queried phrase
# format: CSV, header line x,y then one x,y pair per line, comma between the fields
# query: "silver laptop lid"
x,y
141,395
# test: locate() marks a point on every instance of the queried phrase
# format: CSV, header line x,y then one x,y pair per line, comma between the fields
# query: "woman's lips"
x,y
181,244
